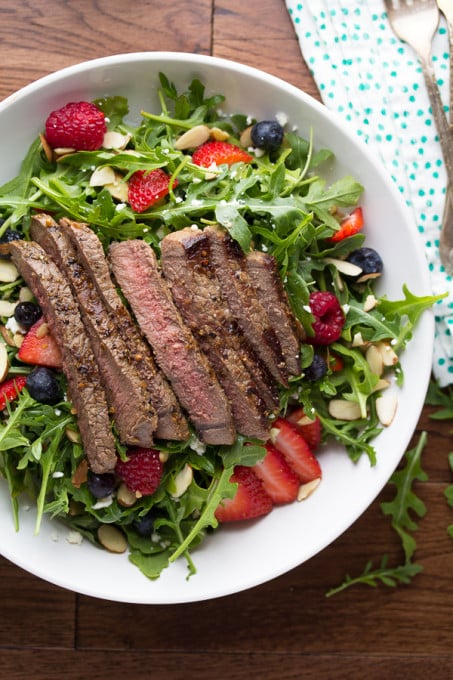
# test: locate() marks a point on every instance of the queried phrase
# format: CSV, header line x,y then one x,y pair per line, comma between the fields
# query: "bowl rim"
x,y
324,112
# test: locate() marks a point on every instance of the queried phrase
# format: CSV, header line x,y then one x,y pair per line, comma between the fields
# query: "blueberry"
x,y
6,238
101,485
267,135
27,313
317,369
43,386
368,260
144,525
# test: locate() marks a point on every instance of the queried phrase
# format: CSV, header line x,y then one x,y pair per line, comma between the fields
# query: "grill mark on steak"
x,y
266,280
133,414
85,389
171,424
196,291
198,390
240,295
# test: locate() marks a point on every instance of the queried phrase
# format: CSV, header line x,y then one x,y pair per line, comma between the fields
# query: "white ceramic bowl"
x,y
241,556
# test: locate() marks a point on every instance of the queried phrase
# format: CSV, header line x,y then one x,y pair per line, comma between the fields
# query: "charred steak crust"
x,y
134,416
135,268
266,280
171,423
195,288
240,295
85,388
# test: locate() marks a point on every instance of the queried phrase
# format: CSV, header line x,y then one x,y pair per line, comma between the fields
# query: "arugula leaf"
x,y
400,509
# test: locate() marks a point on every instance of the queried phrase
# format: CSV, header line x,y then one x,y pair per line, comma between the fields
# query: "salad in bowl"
x,y
203,332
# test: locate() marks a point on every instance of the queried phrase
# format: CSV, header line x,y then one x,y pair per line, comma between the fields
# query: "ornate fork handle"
x,y
440,118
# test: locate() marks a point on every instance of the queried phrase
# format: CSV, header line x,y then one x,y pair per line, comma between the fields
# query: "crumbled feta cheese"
x,y
13,326
196,180
74,538
346,308
264,248
281,118
197,446
249,120
196,201
57,411
103,502
179,199
307,308
194,227
120,206
58,474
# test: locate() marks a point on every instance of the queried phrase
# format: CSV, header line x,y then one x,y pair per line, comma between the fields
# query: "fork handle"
x,y
440,117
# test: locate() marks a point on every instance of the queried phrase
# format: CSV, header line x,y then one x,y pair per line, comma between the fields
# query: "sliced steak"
x,y
230,264
85,389
263,272
196,291
132,412
171,423
178,355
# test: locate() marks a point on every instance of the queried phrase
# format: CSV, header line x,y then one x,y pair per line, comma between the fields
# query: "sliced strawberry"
x,y
216,152
9,389
39,347
251,499
147,188
309,428
349,225
279,479
289,441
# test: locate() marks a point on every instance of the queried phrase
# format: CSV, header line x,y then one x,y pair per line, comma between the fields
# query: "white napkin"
x,y
375,83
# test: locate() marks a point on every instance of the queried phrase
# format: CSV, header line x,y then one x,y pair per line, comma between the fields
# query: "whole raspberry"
x,y
142,471
147,188
77,125
329,317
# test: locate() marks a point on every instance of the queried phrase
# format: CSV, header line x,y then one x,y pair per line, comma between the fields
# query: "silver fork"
x,y
415,22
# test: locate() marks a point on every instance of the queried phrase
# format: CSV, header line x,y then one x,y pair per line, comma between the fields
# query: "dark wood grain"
x,y
287,628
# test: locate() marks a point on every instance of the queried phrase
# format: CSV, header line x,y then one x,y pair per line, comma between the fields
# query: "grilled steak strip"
x,y
196,291
133,414
178,355
171,423
85,389
240,295
263,272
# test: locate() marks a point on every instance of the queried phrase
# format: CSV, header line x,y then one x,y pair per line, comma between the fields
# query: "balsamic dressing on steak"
x,y
178,355
85,388
171,424
134,416
195,288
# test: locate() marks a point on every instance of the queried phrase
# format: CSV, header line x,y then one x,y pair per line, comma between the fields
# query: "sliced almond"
x,y
163,456
18,339
80,475
389,356
246,137
112,538
125,496
4,362
102,176
370,303
182,481
46,148
357,340
73,435
8,271
7,308
305,490
25,294
43,330
386,408
7,336
344,267
382,384
115,140
374,360
119,189
218,134
193,137
342,409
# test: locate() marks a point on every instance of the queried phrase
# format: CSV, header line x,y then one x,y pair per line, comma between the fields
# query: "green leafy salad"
x,y
277,202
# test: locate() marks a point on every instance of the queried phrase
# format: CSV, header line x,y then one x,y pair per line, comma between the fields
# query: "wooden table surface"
x,y
286,628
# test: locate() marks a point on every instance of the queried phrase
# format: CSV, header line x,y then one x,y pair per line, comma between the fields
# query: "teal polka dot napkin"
x,y
375,83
